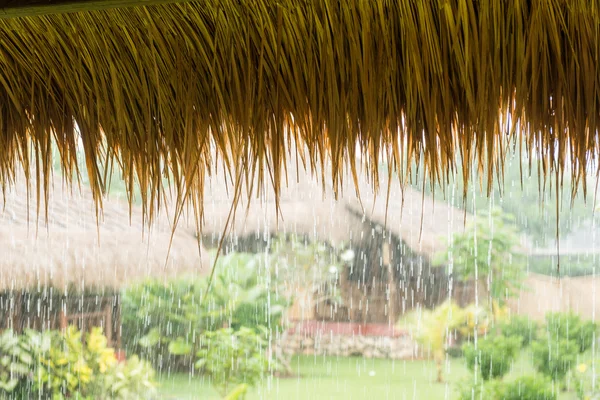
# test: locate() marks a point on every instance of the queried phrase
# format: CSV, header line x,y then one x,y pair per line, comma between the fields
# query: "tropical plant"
x,y
165,320
62,366
492,356
247,292
17,360
569,326
232,358
433,329
488,249
134,379
63,371
555,357
478,320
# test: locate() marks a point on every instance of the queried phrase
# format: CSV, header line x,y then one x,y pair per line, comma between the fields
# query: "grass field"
x,y
347,378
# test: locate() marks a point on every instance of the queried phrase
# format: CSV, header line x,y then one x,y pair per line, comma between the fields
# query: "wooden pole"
x,y
28,8
17,310
63,320
118,318
108,323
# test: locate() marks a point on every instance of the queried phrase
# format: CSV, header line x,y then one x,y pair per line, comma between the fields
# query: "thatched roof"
x,y
307,209
158,88
423,223
71,250
304,209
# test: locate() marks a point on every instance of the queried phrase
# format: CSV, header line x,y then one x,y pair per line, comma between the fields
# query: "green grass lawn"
x,y
347,378
335,378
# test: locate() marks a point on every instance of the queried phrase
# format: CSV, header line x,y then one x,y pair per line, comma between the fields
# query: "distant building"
x,y
393,242
66,267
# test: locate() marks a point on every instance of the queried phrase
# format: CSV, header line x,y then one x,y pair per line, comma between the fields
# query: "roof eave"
x,y
28,8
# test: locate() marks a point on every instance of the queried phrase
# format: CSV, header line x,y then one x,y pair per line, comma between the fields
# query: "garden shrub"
x,y
554,358
432,330
522,327
454,351
17,359
493,355
232,358
62,366
134,379
569,326
528,388
162,321
488,390
523,388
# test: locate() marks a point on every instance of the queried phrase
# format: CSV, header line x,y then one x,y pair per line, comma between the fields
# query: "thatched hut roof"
x,y
423,223
71,250
160,87
304,209
307,209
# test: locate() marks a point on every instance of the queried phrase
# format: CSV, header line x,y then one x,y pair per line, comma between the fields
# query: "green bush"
x,y
232,358
554,358
134,379
455,351
569,326
493,355
490,390
528,388
524,388
62,366
162,321
17,360
521,327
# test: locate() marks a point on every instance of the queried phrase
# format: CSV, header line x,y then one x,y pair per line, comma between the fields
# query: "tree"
x,y
433,329
488,249
523,193
233,358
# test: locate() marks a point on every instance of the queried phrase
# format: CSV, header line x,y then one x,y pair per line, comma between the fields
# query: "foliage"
x,y
571,265
479,320
62,366
586,381
232,357
569,326
492,356
533,204
154,311
134,379
528,388
454,352
555,357
523,388
17,360
63,370
470,390
433,329
167,318
315,265
521,327
164,320
239,392
487,249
